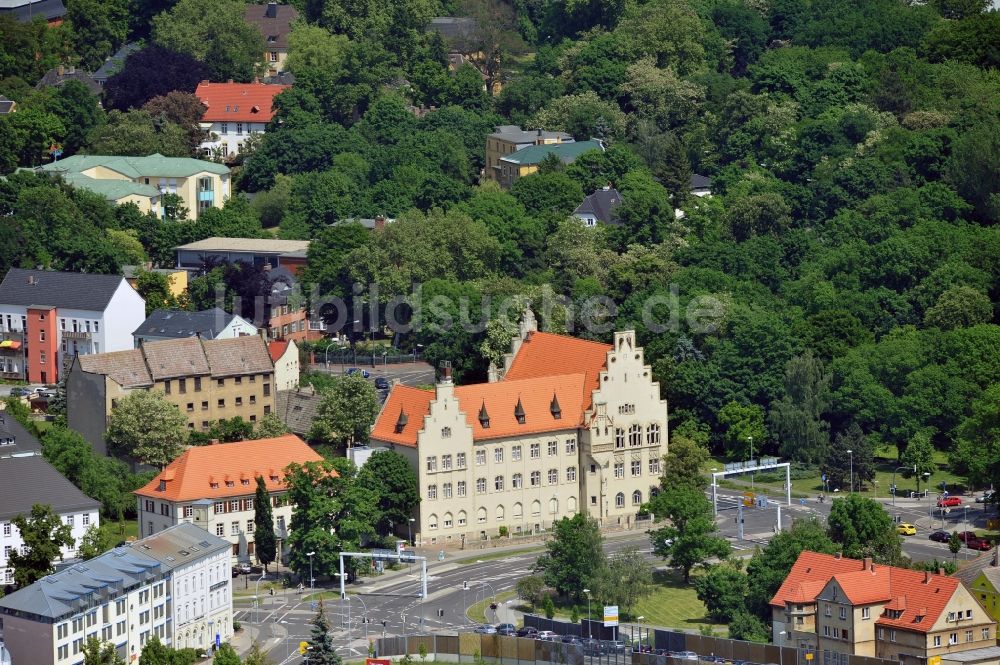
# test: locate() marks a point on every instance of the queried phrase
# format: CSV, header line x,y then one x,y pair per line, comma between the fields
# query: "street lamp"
x,y
781,651
589,619
256,605
312,580
851,453
894,480
417,346
409,531
639,619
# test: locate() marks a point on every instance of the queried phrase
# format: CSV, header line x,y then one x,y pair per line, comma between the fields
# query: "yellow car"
x,y
906,529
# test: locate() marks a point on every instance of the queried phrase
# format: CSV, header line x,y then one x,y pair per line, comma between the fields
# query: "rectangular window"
x,y
41,335
460,460
636,467
41,358
843,612
881,633
892,635
619,469
197,384
239,401
866,613
432,463
968,636
446,490
166,387
224,128
182,386
553,448
553,476
480,457
445,462
515,453
986,633
536,450
654,466
570,446
220,529
239,128
536,478
249,526
234,529
432,491
498,455
222,403
221,383
234,504
571,474
461,488
480,485
6,528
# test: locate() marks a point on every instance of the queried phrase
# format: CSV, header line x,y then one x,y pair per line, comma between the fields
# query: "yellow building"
x,y
507,139
526,161
144,180
207,379
275,23
986,588
177,278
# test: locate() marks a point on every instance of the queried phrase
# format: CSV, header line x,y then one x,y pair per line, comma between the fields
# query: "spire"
x,y
401,421
519,411
555,408
484,417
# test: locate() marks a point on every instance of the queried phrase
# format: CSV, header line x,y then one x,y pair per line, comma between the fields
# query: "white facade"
x,y
202,602
286,368
10,539
229,137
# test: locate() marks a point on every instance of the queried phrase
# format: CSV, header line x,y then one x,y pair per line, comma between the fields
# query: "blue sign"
x,y
312,605
218,640
824,477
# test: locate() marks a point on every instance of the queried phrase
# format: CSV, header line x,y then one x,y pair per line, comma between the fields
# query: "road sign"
x,y
302,648
610,615
218,640
809,655
748,499
934,660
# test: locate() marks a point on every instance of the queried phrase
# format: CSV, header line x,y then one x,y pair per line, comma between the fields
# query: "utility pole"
x,y
739,518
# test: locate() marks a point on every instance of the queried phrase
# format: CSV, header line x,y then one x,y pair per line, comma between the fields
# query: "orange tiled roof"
x,y
500,401
190,476
237,102
915,593
547,354
277,349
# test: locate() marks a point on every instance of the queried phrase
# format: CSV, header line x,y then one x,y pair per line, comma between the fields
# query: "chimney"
x,y
61,70
213,442
838,555
866,563
229,81
272,10
446,372
927,577
941,572
379,222
32,280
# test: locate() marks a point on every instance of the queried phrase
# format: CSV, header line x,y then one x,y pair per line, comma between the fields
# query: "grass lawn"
x,y
477,612
673,604
497,555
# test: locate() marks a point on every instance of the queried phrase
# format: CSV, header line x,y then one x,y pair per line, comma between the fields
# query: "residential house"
x,y
27,479
234,112
258,251
115,63
48,317
287,315
297,409
199,184
177,279
175,585
507,139
840,607
285,356
26,11
215,323
567,426
600,207
7,105
208,380
461,37
526,161
700,185
275,23
119,192
62,74
213,487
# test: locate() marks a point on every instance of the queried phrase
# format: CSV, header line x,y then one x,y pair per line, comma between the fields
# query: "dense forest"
x,y
851,243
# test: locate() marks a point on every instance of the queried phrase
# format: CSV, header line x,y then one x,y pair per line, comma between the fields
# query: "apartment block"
x,y
840,607
507,139
175,585
48,317
213,487
207,380
566,426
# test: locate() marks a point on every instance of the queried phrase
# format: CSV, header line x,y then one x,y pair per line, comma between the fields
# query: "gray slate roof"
x,y
274,22
178,323
90,583
453,28
23,443
602,204
297,408
6,105
54,79
114,64
700,181
25,481
71,290
28,10
515,134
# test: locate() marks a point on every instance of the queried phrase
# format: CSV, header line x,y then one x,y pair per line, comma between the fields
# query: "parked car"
x,y
547,635
685,655
527,631
591,647
242,569
381,383
949,502
966,536
486,629
18,392
906,529
613,646
506,629
986,497
357,370
980,544
940,536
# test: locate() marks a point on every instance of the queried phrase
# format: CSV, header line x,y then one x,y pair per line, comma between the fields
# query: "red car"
x,y
949,502
966,536
980,544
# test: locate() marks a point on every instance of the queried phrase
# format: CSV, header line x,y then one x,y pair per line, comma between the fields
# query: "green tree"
x,y
572,555
321,649
98,28
226,655
530,588
744,429
960,307
44,535
919,454
624,579
96,540
28,135
390,477
584,115
313,49
548,607
269,427
839,464
256,656
796,419
144,425
348,410
723,588
138,133
683,463
214,32
691,537
748,627
265,542
977,452
183,109
974,165
154,287
79,110
96,652
864,529
954,544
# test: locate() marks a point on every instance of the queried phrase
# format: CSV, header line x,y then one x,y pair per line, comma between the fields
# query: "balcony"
x,y
76,334
206,195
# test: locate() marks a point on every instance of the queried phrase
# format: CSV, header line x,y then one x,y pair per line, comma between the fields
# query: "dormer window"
x,y
554,408
484,417
162,486
519,412
214,486
230,483
244,481
401,422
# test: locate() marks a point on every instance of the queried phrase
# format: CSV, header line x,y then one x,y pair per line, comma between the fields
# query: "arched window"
x,y
517,481
571,504
635,435
518,510
536,507
636,498
500,513
653,434
462,520
553,505
620,500
447,520
432,521
498,483
654,492
481,515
